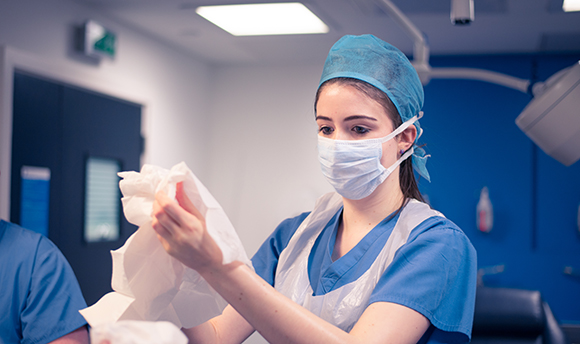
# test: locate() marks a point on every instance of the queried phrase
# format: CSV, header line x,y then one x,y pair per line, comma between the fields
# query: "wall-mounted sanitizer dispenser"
x,y
552,118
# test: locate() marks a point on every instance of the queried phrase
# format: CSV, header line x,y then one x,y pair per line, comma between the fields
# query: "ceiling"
x,y
500,27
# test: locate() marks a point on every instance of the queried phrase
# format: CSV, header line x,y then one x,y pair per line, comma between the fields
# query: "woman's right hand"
x,y
181,228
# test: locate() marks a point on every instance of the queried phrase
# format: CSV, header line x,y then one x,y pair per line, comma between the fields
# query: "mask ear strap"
x,y
403,127
407,154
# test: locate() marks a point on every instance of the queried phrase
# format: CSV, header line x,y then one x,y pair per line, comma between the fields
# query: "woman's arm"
x,y
280,320
78,336
228,328
181,230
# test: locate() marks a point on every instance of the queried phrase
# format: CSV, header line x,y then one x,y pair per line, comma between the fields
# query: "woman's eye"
x,y
360,130
325,130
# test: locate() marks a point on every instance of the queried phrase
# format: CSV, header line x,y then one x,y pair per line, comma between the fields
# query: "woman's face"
x,y
345,113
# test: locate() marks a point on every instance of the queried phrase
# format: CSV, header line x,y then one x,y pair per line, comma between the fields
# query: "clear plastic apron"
x,y
341,307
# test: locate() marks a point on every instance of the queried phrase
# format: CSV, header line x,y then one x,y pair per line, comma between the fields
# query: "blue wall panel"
x,y
470,132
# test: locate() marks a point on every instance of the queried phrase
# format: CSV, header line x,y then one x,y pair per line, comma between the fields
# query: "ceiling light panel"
x,y
264,19
571,5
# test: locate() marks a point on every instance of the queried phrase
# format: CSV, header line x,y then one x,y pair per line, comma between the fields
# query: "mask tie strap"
x,y
420,130
403,157
403,127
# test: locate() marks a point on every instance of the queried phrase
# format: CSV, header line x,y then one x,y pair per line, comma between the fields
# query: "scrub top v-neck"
x,y
325,274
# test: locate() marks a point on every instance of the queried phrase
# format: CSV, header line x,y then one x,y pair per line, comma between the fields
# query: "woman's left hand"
x,y
182,231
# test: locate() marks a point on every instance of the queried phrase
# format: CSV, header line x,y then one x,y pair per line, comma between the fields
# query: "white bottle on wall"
x,y
484,211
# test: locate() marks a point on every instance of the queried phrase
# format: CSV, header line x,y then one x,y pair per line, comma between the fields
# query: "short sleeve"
x,y
265,261
54,297
435,274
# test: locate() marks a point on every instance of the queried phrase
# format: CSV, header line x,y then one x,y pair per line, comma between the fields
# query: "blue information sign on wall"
x,y
35,198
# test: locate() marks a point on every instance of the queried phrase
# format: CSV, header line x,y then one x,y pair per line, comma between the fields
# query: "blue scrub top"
x,y
434,273
40,296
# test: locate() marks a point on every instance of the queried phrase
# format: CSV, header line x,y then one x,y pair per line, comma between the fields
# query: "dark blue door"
x,y
59,128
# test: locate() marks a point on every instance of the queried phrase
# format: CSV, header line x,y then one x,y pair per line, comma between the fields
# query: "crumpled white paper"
x,y
148,283
137,332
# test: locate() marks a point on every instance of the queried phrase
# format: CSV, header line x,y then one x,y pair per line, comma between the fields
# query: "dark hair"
x,y
407,181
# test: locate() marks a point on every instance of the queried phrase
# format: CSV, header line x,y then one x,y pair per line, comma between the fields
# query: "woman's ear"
x,y
407,138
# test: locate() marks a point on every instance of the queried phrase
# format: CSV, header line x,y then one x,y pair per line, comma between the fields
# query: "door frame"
x,y
12,60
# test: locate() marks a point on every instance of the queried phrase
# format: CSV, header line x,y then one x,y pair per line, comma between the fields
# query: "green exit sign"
x,y
98,40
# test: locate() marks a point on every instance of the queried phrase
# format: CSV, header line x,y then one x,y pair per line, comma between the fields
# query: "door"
x,y
64,130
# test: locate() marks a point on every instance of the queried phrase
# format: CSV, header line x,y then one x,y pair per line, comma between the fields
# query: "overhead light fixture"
x,y
571,5
289,18
462,12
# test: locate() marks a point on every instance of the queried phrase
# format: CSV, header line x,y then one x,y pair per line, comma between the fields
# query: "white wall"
x,y
173,87
263,159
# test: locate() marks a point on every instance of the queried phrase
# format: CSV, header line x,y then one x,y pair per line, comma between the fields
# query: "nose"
x,y
340,134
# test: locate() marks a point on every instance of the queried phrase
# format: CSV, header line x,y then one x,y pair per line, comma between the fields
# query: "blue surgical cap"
x,y
380,64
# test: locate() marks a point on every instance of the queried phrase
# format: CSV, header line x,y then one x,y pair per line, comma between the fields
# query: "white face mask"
x,y
353,167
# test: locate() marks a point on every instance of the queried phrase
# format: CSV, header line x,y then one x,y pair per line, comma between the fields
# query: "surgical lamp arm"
x,y
421,58
420,48
482,75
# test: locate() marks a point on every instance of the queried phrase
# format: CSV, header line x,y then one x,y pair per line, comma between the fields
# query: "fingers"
x,y
181,229
170,208
185,202
158,218
171,218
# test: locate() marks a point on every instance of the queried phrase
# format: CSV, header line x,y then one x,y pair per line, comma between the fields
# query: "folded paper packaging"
x,y
149,284
137,332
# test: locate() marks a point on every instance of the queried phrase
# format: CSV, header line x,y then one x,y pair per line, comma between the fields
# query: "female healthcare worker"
x,y
371,263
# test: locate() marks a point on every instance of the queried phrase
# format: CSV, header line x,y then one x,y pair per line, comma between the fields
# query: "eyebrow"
x,y
349,118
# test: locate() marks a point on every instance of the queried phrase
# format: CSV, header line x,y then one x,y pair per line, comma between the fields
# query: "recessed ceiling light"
x,y
571,5
264,19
